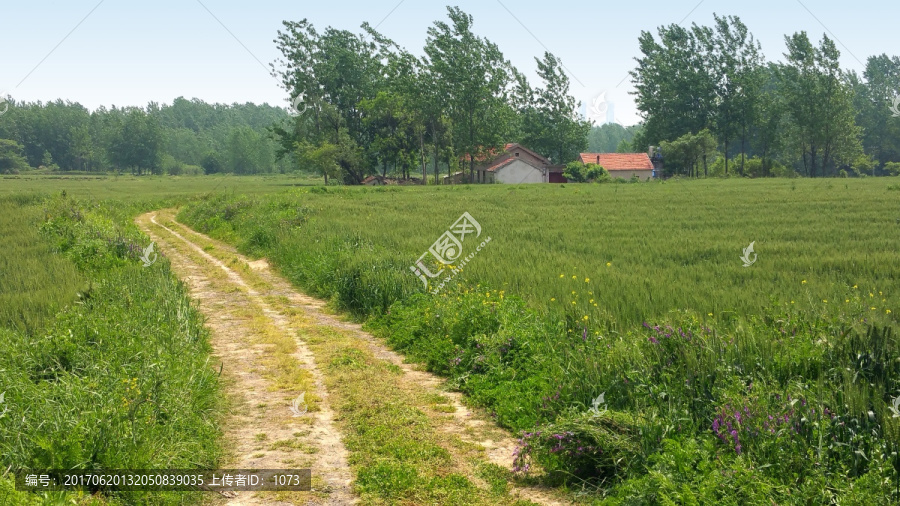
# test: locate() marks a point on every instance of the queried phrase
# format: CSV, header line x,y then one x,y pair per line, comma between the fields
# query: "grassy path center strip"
x,y
409,440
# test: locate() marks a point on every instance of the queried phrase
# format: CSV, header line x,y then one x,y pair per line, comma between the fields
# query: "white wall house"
x,y
516,171
517,164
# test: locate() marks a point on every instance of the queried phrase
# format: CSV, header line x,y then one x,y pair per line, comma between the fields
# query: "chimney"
x,y
650,152
598,159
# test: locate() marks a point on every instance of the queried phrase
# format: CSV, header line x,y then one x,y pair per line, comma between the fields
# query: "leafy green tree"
x,y
138,143
212,163
689,153
818,98
674,90
552,126
328,76
881,131
578,172
11,159
738,73
473,76
607,138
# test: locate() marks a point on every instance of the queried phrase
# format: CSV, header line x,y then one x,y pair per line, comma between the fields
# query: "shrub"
x,y
583,445
578,172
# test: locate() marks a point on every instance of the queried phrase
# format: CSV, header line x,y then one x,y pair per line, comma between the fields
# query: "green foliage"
x,y
818,99
879,87
689,154
824,368
578,172
806,113
892,168
137,146
610,137
863,165
583,446
35,283
212,164
62,136
11,159
117,379
551,126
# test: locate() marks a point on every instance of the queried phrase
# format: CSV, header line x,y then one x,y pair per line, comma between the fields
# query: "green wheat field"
x,y
613,327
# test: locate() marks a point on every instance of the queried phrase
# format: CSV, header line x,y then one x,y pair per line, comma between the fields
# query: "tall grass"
x,y
722,383
34,282
118,379
669,245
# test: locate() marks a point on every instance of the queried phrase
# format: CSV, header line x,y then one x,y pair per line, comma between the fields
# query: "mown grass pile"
x,y
617,329
118,376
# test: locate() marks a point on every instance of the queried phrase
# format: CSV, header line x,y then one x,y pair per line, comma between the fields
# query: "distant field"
x,y
617,331
646,249
133,188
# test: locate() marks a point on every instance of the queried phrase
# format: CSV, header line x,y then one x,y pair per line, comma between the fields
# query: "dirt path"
x,y
240,298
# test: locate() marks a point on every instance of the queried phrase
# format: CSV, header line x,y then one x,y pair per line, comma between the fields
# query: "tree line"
x,y
714,104
363,105
188,136
367,105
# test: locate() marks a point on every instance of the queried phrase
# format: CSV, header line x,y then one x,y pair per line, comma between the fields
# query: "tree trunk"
x,y
812,158
422,155
726,156
434,139
743,146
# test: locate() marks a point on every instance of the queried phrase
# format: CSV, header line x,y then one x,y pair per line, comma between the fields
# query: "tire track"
x,y
262,432
279,297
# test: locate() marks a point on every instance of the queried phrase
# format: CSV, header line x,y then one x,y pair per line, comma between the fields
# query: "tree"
x,y
212,163
817,95
738,73
330,75
578,172
687,153
608,137
138,143
473,76
11,159
674,90
881,131
551,124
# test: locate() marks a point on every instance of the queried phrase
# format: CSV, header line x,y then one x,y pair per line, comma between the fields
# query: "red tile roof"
x,y
501,164
619,161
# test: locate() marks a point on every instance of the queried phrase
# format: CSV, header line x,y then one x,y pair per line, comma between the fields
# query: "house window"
x,y
517,154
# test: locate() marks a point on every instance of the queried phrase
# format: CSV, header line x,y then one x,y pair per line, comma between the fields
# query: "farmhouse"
x,y
623,165
517,164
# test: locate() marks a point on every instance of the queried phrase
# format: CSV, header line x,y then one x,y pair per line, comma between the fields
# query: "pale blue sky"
x,y
131,52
